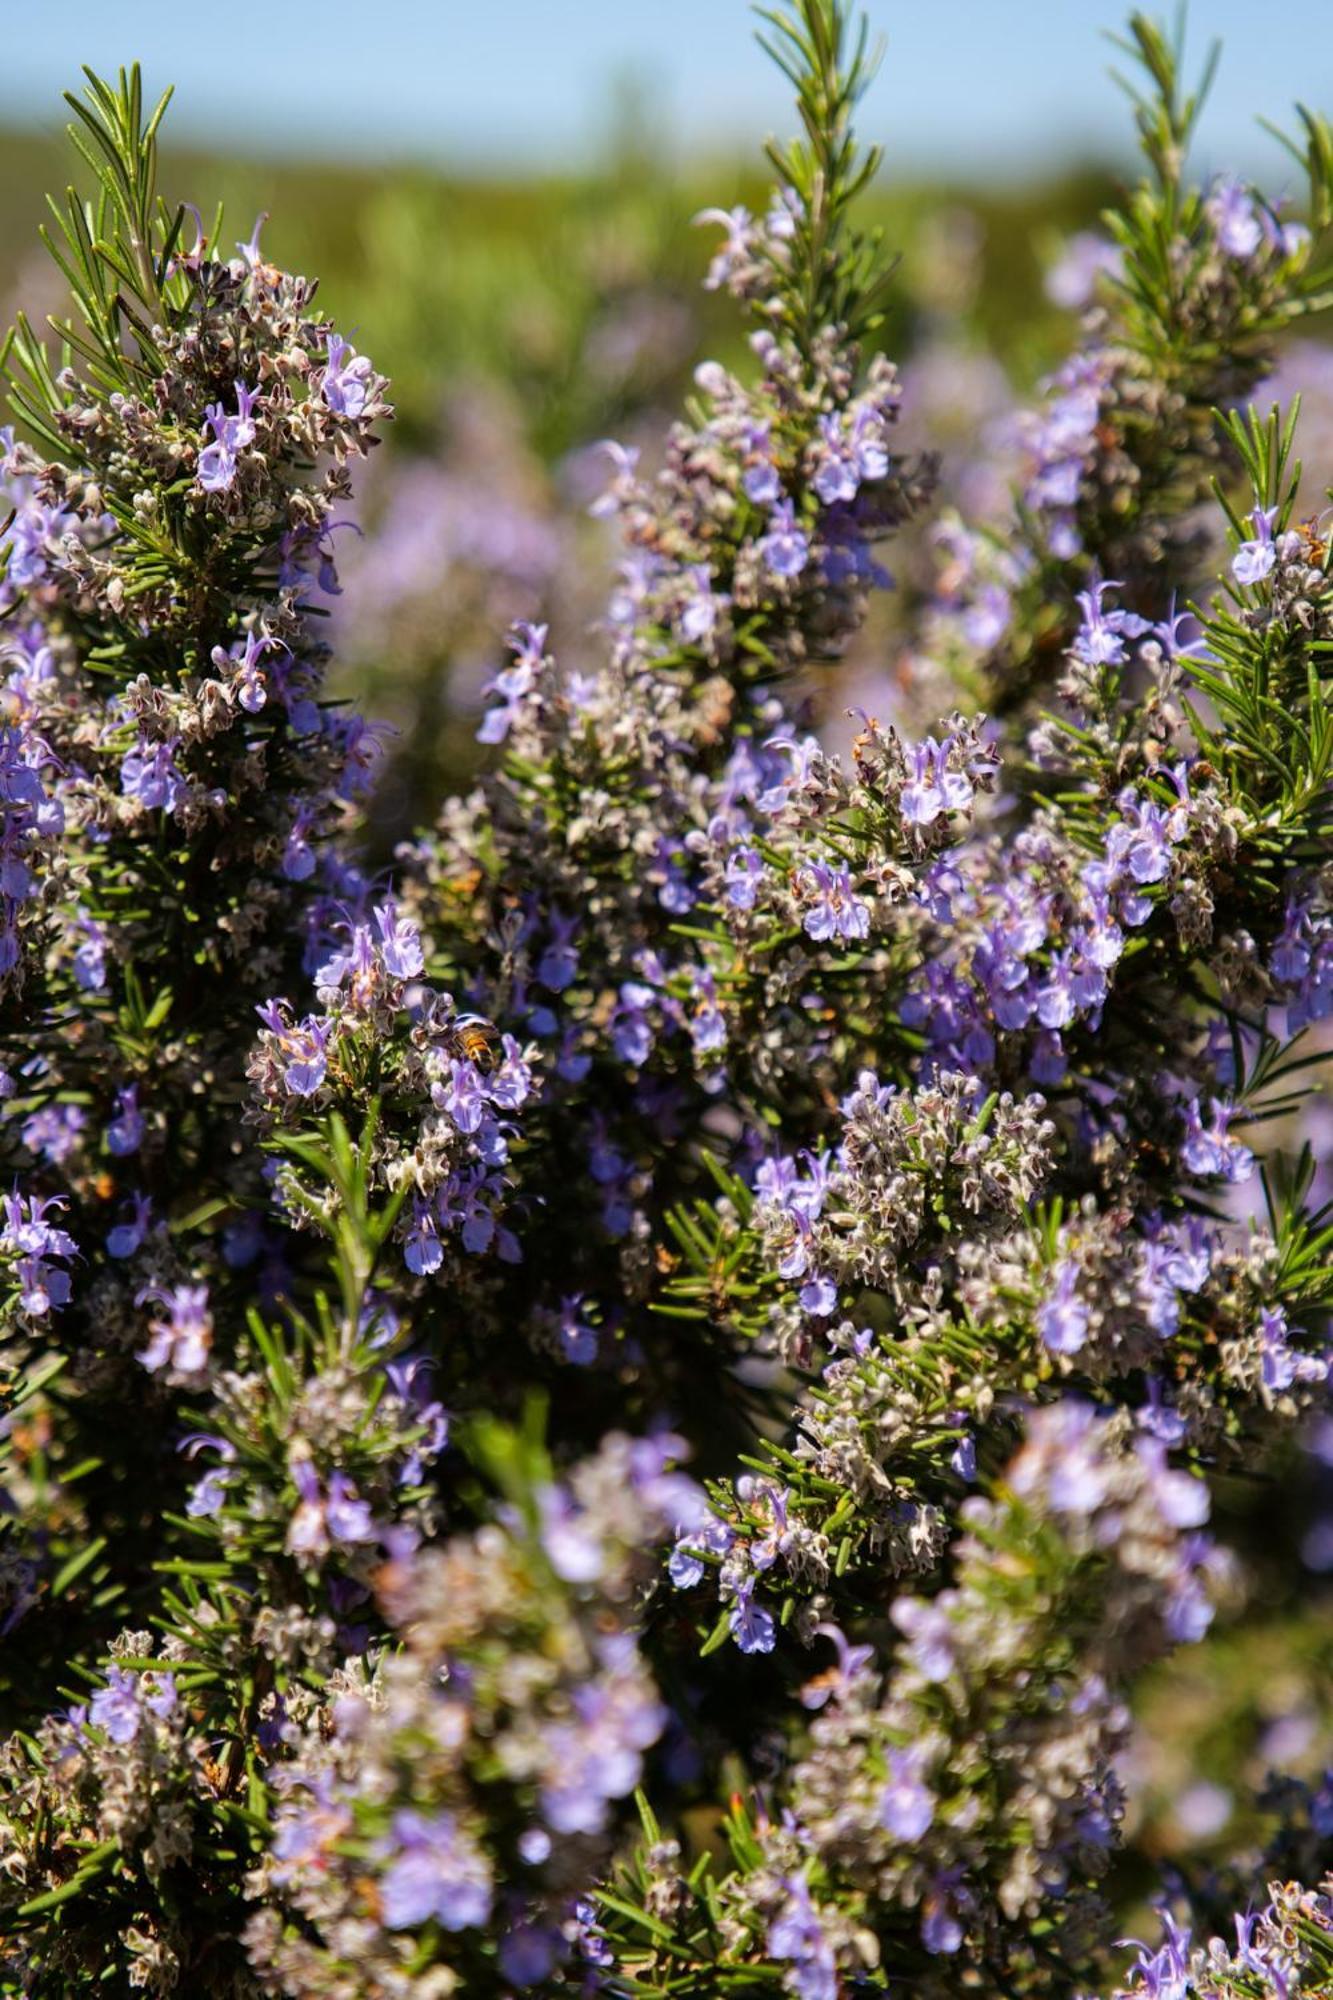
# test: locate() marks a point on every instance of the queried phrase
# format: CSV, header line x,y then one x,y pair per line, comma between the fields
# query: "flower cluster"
x,y
450,1809
943,1808
1285,1946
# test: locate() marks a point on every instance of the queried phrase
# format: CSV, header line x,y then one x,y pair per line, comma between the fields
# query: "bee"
x,y
1151,1155
473,1035
1313,548
719,1297
817,1691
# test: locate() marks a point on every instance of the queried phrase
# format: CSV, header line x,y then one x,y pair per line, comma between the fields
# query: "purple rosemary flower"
x,y
400,942
118,1710
347,381
423,1252
1231,209
89,962
208,1496
933,788
707,1025
907,1806
819,1296
54,1132
130,1234
597,1756
298,856
751,1626
182,1334
702,608
1208,1150
1100,639
737,248
302,1047
578,1340
216,470
930,1635
1257,558
149,775
1062,1318
516,685
529,1954
797,1936
558,966
941,1928
124,1134
326,1514
785,549
744,873
436,1872
834,909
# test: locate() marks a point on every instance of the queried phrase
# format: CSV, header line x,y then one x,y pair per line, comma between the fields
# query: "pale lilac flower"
x,y
907,1805
323,1516
241,666
835,910
124,1133
423,1252
1231,210
797,1935
400,942
115,1709
624,460
54,1132
1256,559
89,961
438,1872
736,250
785,548
181,1339
515,684
305,1052
348,1516
129,1235
298,856
208,1495
1208,1150
751,1626
929,1632
707,1025
933,788
347,381
1071,281
698,616
819,1296
744,873
149,774
216,469
837,1683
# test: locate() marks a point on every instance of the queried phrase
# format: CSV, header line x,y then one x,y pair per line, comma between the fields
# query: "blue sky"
x,y
979,86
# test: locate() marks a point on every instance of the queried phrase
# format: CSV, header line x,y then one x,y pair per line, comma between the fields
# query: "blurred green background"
x,y
510,280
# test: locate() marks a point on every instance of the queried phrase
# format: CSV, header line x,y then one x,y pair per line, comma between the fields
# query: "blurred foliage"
x,y
443,276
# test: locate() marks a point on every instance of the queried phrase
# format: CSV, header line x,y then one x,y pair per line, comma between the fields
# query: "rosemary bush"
x,y
624,1407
